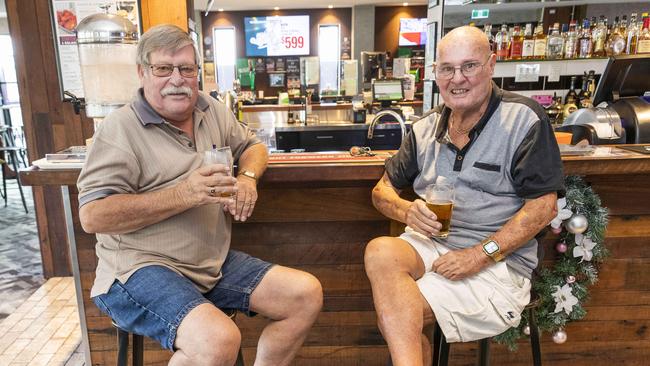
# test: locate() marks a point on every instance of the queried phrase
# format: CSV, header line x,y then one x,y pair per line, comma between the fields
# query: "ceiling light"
x,y
276,8
405,4
330,6
220,9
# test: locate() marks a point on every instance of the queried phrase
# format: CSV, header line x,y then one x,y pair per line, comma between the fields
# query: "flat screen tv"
x,y
277,35
412,31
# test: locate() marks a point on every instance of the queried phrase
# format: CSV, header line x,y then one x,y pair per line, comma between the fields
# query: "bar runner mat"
x,y
640,149
302,158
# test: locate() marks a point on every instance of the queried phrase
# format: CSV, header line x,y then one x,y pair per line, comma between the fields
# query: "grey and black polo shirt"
x,y
512,156
135,150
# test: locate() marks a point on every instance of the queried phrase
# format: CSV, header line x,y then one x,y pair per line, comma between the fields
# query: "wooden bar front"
x,y
318,218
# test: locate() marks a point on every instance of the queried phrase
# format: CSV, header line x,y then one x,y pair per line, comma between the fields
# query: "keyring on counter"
x,y
361,151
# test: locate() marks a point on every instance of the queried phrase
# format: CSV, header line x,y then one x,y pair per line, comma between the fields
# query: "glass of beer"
x,y
440,200
219,155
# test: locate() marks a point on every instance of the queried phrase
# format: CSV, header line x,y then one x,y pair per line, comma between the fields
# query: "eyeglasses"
x,y
164,70
467,69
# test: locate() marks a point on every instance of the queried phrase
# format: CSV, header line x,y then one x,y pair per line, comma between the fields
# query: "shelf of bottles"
x,y
588,40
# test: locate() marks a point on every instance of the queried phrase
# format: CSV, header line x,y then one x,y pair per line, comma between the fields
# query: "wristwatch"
x,y
249,174
491,249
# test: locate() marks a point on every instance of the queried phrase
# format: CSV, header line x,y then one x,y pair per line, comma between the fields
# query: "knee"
x,y
219,347
378,258
308,294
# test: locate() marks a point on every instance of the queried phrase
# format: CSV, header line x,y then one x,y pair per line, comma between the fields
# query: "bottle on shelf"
x,y
502,43
516,43
555,111
539,43
643,44
585,44
487,29
528,48
571,41
584,97
570,100
599,36
616,41
554,43
632,35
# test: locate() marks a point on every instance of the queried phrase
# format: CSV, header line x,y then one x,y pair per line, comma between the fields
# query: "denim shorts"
x,y
155,299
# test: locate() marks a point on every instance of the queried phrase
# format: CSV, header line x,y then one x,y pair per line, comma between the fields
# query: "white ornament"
x,y
559,336
564,299
526,330
577,224
563,213
570,279
583,248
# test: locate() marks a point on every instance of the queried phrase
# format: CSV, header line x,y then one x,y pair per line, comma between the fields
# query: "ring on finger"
x,y
213,191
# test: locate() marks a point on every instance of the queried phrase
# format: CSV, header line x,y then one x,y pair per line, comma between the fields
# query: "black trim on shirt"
x,y
402,168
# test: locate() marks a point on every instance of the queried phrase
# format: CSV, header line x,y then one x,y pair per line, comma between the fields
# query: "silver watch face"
x,y
491,247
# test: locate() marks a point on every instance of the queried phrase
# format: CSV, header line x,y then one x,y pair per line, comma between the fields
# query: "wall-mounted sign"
x,y
480,13
277,35
66,15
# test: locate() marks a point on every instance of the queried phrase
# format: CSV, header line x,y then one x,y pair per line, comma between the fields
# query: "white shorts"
x,y
477,307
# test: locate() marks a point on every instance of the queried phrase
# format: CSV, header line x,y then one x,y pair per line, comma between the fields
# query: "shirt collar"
x,y
442,134
147,115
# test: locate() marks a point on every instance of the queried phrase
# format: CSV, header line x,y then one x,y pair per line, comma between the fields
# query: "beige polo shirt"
x,y
135,151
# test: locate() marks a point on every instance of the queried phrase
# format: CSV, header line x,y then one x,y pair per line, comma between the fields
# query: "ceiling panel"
x,y
232,5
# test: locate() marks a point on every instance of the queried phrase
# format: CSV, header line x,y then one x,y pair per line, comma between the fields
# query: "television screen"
x,y
277,35
412,31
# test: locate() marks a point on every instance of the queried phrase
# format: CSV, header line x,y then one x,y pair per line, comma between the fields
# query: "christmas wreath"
x,y
563,288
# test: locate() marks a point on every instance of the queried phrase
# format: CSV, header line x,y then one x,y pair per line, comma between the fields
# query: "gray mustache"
x,y
176,90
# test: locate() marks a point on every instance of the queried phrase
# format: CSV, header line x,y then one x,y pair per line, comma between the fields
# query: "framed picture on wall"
x,y
276,80
430,47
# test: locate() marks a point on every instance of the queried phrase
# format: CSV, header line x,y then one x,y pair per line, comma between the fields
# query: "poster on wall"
x,y
430,48
277,35
66,16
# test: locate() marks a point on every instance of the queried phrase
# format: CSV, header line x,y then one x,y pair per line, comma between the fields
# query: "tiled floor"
x,y
39,323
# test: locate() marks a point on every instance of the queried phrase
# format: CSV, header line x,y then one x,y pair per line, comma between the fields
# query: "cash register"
x,y
622,100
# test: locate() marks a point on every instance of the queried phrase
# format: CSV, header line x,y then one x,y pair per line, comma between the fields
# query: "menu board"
x,y
66,15
277,35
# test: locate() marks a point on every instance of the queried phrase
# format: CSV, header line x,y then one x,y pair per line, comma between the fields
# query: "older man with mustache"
x,y
163,219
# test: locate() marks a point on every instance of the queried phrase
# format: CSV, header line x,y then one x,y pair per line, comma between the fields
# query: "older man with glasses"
x,y
498,151
163,220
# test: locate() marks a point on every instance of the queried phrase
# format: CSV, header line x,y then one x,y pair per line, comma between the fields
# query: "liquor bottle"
x,y
554,111
571,41
585,45
584,97
599,37
487,29
502,43
554,44
643,44
516,43
570,100
616,41
632,35
528,49
540,39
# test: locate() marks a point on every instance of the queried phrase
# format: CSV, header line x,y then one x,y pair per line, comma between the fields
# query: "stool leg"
x,y
240,358
138,350
437,333
122,347
484,352
443,358
20,185
534,338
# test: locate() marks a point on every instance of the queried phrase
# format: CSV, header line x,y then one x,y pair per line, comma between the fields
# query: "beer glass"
x,y
221,155
440,200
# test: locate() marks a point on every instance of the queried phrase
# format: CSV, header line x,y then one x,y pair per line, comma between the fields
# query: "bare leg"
x,y
292,299
393,266
206,336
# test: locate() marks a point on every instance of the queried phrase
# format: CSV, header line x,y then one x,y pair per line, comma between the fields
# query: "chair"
x,y
138,346
441,347
11,153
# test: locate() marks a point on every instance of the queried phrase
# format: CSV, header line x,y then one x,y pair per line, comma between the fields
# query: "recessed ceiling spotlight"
x,y
276,8
330,6
220,9
405,4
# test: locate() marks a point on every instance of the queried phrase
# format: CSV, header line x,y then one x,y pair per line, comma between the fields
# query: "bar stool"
x,y
138,345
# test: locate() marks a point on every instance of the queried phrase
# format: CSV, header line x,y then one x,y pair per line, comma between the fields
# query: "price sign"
x,y
277,36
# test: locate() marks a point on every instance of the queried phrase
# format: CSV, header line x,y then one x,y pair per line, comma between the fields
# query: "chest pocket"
x,y
487,178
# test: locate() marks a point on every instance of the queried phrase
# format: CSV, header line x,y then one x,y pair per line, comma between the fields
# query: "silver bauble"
x,y
526,330
570,279
577,224
559,336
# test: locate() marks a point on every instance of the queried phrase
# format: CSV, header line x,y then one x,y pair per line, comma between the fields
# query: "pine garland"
x,y
570,269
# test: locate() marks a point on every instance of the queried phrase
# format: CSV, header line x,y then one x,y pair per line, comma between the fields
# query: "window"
x,y
329,51
223,40
8,81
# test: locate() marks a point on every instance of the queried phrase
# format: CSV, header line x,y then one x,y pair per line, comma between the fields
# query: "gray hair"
x,y
166,37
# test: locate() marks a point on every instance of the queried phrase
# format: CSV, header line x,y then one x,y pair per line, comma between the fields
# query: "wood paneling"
x,y
164,11
387,25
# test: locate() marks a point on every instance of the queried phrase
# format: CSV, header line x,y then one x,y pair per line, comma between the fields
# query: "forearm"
x,y
125,213
254,159
386,200
534,216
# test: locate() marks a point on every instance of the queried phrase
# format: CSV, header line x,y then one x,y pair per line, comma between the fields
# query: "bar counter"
x,y
319,217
